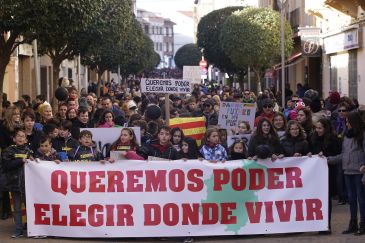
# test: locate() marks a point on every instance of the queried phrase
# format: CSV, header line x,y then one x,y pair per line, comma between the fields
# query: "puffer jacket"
x,y
12,166
352,156
292,145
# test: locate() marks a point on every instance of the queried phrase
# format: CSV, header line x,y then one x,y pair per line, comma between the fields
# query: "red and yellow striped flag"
x,y
193,127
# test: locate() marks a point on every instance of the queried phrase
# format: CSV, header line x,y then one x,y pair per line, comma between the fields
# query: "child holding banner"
x,y
161,147
86,151
238,150
212,150
64,143
46,152
14,158
189,149
127,143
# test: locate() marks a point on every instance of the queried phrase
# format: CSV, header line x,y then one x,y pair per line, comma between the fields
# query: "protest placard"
x,y
180,198
232,113
193,74
166,86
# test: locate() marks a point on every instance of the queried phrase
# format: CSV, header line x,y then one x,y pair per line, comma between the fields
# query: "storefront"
x,y
341,56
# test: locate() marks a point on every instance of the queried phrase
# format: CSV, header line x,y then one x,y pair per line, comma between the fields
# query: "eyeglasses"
x,y
267,106
342,110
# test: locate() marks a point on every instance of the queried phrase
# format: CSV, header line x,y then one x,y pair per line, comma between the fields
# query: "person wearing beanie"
x,y
153,112
335,98
332,100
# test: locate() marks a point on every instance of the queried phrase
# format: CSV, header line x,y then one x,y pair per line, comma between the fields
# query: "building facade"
x,y
161,32
328,50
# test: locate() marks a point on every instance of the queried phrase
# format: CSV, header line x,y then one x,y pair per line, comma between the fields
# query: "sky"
x,y
165,6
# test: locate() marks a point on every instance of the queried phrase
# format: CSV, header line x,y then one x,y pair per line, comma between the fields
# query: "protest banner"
x,y
104,137
232,113
166,86
193,127
161,199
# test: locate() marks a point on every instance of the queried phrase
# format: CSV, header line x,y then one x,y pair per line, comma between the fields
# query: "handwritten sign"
x,y
166,86
232,113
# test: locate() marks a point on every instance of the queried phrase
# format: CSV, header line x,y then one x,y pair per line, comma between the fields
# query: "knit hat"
x,y
335,98
153,112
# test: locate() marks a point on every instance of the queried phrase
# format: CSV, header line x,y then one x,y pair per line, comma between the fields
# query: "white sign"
x,y
341,42
232,113
104,137
231,139
180,198
26,50
166,86
192,73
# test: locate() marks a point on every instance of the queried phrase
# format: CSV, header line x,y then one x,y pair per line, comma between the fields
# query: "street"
x,y
339,223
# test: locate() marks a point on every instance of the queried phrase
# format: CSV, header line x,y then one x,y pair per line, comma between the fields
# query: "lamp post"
x,y
282,54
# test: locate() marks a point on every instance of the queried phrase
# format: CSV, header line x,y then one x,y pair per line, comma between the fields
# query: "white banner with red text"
x,y
176,198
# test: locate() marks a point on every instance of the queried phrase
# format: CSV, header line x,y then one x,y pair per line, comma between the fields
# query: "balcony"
x,y
347,7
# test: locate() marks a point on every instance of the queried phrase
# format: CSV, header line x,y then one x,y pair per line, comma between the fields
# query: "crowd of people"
x,y
308,125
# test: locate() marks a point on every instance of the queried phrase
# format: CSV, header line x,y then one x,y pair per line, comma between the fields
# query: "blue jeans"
x,y
356,194
18,198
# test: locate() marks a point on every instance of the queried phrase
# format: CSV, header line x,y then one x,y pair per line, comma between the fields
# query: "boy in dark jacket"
x,y
160,148
65,142
46,152
82,121
14,158
86,151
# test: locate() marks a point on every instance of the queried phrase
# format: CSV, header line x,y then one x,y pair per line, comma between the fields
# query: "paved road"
x,y
339,223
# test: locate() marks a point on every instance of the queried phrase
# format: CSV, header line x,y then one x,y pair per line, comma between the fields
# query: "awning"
x,y
292,60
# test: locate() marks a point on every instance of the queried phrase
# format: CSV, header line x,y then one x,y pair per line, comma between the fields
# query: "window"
x,y
167,47
160,46
167,31
295,19
153,29
161,30
146,29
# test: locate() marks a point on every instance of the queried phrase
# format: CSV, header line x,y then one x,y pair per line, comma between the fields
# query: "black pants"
x,y
5,201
